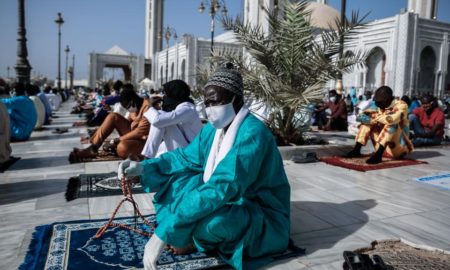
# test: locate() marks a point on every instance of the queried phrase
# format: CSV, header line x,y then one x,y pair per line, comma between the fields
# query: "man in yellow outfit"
x,y
387,127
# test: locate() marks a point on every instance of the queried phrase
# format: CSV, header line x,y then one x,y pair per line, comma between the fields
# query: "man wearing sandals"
x,y
226,191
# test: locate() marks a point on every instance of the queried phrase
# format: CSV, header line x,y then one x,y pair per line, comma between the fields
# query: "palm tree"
x,y
288,68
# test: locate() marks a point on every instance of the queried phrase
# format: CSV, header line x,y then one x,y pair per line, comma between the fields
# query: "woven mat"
x,y
72,246
95,185
359,163
402,255
101,156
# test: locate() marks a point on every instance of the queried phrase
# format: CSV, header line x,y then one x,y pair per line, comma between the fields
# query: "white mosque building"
x,y
408,52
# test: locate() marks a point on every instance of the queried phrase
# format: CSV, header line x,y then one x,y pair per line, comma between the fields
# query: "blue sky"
x,y
97,25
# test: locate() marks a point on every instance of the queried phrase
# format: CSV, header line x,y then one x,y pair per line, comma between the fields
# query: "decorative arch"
x,y
376,62
427,70
447,78
348,79
183,69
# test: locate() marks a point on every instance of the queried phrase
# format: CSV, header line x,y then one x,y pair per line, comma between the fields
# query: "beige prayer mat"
x,y
403,255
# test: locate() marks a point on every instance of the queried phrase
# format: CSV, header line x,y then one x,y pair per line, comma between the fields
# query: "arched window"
x,y
375,68
427,70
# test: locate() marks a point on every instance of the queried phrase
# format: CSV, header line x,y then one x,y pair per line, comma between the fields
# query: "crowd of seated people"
x,y
148,124
22,113
395,125
24,108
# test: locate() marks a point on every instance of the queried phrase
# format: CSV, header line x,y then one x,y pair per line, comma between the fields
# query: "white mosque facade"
x,y
408,52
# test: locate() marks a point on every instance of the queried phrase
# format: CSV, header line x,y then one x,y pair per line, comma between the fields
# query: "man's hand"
x,y
129,169
155,102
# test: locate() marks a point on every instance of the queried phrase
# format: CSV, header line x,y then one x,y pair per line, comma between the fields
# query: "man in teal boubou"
x,y
226,191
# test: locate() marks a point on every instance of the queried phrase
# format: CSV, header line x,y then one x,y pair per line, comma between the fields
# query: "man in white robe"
x,y
176,125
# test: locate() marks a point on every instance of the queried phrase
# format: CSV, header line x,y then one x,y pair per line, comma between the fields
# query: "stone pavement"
x,y
332,210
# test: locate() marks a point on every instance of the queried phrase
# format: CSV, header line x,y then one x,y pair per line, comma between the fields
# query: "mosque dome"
x,y
322,15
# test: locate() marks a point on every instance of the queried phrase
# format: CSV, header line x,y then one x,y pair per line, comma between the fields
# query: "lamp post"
x,y
59,21
339,84
67,50
7,69
168,33
214,7
22,67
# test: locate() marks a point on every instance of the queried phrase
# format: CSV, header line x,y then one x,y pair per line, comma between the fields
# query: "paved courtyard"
x,y
332,210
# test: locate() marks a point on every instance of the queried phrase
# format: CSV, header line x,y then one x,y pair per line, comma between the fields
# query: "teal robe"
x,y
242,211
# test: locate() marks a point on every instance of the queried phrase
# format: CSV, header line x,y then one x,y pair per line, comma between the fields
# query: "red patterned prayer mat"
x,y
359,164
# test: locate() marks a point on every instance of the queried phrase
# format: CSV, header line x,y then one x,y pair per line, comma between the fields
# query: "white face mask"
x,y
221,116
333,99
132,109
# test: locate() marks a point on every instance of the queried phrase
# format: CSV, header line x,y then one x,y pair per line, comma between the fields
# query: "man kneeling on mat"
x,y
226,191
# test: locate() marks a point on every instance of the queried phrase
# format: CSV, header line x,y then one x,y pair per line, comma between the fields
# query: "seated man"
x,y
387,127
365,104
22,114
32,91
106,105
53,99
133,130
176,125
5,148
427,123
226,191
48,108
336,119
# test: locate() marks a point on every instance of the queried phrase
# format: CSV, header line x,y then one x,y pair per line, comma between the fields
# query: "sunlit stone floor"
x,y
332,210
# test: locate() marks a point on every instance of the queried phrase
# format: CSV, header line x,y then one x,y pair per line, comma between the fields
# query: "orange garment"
x,y
133,134
389,128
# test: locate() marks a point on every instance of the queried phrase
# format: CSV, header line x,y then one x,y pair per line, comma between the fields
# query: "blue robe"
x,y
242,211
22,115
48,108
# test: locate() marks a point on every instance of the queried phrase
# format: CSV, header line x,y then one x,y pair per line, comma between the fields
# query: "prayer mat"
x,y
96,185
5,165
441,180
79,124
101,156
403,255
359,163
72,246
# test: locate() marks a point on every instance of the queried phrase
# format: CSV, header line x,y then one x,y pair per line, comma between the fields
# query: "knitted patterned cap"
x,y
227,77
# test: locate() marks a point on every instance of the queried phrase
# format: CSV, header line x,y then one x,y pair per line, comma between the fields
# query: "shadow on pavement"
x,y
40,162
29,190
314,239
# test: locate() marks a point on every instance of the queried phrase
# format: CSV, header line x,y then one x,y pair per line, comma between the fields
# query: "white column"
x,y
443,64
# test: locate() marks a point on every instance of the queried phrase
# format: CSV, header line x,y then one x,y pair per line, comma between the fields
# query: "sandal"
x,y
305,157
109,148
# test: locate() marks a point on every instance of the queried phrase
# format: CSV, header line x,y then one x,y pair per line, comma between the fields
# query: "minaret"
x,y
424,8
154,10
254,12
